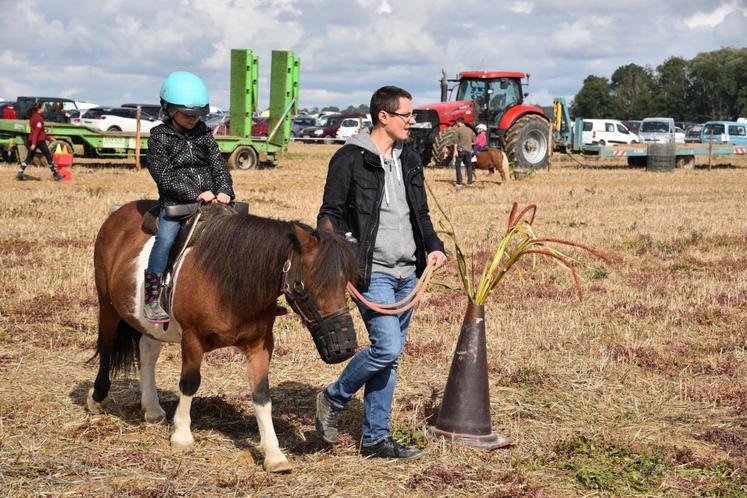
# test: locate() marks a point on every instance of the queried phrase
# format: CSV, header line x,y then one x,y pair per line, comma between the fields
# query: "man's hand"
x,y
438,258
222,198
32,147
206,197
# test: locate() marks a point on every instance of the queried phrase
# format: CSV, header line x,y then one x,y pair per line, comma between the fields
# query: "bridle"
x,y
300,300
333,334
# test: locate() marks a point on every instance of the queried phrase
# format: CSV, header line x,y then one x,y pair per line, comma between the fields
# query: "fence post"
x,y
710,149
137,138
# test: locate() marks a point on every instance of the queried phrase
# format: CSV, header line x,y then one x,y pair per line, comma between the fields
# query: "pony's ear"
x,y
306,240
326,225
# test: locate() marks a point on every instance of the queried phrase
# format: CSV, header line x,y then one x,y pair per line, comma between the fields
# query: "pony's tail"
x,y
124,357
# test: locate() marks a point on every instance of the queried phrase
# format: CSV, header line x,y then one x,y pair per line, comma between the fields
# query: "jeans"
x,y
465,157
375,366
168,229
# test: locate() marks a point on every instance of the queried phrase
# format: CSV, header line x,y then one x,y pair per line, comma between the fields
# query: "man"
x,y
374,195
463,151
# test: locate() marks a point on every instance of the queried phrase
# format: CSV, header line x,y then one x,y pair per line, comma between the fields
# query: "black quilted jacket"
x,y
186,164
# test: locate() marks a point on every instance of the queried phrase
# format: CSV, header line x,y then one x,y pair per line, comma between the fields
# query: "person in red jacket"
x,y
9,112
37,139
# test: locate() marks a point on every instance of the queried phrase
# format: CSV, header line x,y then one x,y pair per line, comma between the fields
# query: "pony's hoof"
x,y
278,465
155,416
95,407
182,444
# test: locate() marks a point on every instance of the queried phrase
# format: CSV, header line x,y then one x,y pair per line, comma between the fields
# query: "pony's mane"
x,y
244,256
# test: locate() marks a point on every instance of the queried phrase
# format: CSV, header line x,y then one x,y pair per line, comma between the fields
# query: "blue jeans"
x,y
375,366
168,229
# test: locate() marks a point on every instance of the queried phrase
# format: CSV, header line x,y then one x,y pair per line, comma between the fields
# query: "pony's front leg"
x,y
189,382
259,364
149,351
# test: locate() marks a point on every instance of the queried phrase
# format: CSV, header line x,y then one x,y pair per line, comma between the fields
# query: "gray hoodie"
x,y
394,249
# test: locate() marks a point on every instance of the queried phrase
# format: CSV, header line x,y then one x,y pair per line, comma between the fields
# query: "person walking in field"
x,y
9,112
37,139
374,195
187,166
463,152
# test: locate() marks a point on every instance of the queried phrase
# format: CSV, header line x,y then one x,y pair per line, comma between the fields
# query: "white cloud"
x,y
715,17
384,8
522,7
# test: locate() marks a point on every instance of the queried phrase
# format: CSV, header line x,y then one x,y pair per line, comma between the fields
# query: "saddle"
x,y
195,216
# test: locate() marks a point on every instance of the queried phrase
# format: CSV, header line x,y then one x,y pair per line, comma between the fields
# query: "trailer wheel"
x,y
637,161
440,152
54,144
526,142
114,128
243,157
685,162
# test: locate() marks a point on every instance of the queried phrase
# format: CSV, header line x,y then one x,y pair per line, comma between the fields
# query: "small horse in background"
x,y
491,159
225,292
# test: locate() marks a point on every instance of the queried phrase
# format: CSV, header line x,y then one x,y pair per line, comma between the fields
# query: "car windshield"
x,y
716,129
655,127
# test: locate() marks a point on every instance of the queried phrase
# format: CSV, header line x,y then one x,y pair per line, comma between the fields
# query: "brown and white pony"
x,y
225,292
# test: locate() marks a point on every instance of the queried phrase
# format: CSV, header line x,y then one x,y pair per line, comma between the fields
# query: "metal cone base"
x,y
464,416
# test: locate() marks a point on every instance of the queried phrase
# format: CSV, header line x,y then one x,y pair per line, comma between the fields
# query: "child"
x,y
37,139
187,166
481,140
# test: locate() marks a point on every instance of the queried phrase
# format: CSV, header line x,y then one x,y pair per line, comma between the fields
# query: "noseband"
x,y
333,334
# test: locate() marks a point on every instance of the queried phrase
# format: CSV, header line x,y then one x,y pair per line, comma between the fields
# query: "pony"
x,y
225,291
491,158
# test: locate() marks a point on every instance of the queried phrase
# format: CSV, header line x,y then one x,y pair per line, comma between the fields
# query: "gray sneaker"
x,y
154,313
21,177
326,419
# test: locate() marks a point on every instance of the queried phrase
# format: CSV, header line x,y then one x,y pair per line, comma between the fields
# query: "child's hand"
x,y
222,198
206,197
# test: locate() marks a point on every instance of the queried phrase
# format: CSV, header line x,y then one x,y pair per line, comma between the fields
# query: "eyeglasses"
x,y
403,116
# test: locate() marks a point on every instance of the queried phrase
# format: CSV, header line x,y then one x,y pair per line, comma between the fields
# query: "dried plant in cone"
x,y
518,241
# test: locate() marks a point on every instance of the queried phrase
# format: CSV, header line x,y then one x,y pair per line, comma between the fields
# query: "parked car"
x,y
152,109
329,127
607,131
220,123
352,126
692,133
660,130
632,125
23,104
300,123
724,132
117,119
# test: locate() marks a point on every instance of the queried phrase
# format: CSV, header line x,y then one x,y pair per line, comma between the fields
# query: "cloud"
x,y
522,7
715,17
384,8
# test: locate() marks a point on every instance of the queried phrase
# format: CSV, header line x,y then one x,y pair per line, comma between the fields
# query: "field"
x,y
639,390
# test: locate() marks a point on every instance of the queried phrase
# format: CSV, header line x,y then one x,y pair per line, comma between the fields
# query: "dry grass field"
x,y
639,390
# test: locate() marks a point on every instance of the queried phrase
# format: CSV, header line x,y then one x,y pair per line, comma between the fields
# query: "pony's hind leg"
x,y
192,353
149,351
258,357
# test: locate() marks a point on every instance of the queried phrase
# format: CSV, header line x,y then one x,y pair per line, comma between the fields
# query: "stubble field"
x,y
639,390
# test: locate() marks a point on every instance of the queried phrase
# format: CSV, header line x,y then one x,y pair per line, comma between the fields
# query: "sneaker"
x,y
458,185
57,177
327,418
154,313
471,184
389,448
21,177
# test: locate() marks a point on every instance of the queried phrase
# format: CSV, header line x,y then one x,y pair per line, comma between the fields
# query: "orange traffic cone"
x,y
464,416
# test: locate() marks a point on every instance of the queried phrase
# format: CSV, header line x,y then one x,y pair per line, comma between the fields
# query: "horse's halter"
x,y
333,334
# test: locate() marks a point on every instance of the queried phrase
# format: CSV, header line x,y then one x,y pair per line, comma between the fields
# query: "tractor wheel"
x,y
442,145
243,157
526,142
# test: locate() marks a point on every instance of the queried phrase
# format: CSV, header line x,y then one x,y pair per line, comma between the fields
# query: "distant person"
x,y
481,140
37,139
187,166
9,112
374,194
463,151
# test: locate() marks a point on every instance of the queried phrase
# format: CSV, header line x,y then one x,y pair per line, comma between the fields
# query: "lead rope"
x,y
413,297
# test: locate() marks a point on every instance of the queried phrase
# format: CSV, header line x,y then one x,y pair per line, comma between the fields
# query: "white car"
x,y
116,119
606,132
353,126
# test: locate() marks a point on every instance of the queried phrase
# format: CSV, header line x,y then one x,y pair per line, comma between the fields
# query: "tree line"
x,y
711,86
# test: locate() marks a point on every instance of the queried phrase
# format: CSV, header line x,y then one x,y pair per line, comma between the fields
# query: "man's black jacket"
x,y
352,199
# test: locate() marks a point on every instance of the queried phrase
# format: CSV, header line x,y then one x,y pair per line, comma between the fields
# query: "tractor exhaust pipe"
x,y
444,87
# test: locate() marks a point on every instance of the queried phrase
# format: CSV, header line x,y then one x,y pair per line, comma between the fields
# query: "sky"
x,y
114,51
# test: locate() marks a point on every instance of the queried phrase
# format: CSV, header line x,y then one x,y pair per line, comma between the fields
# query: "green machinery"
x,y
242,150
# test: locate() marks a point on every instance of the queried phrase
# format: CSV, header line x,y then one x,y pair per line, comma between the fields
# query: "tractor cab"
x,y
492,93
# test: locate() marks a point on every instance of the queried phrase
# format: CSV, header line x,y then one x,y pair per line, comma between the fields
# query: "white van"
x,y
606,132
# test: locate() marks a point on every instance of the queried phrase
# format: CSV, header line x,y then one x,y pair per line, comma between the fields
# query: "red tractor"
x,y
495,98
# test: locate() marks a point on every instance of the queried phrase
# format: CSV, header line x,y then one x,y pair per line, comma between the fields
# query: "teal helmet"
x,y
185,92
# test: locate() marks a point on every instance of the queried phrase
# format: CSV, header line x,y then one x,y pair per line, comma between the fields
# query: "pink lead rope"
x,y
412,299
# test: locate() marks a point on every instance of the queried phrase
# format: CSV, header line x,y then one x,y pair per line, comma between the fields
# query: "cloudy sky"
x,y
112,51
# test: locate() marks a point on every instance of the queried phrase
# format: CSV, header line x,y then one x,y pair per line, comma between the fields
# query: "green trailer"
x,y
241,149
